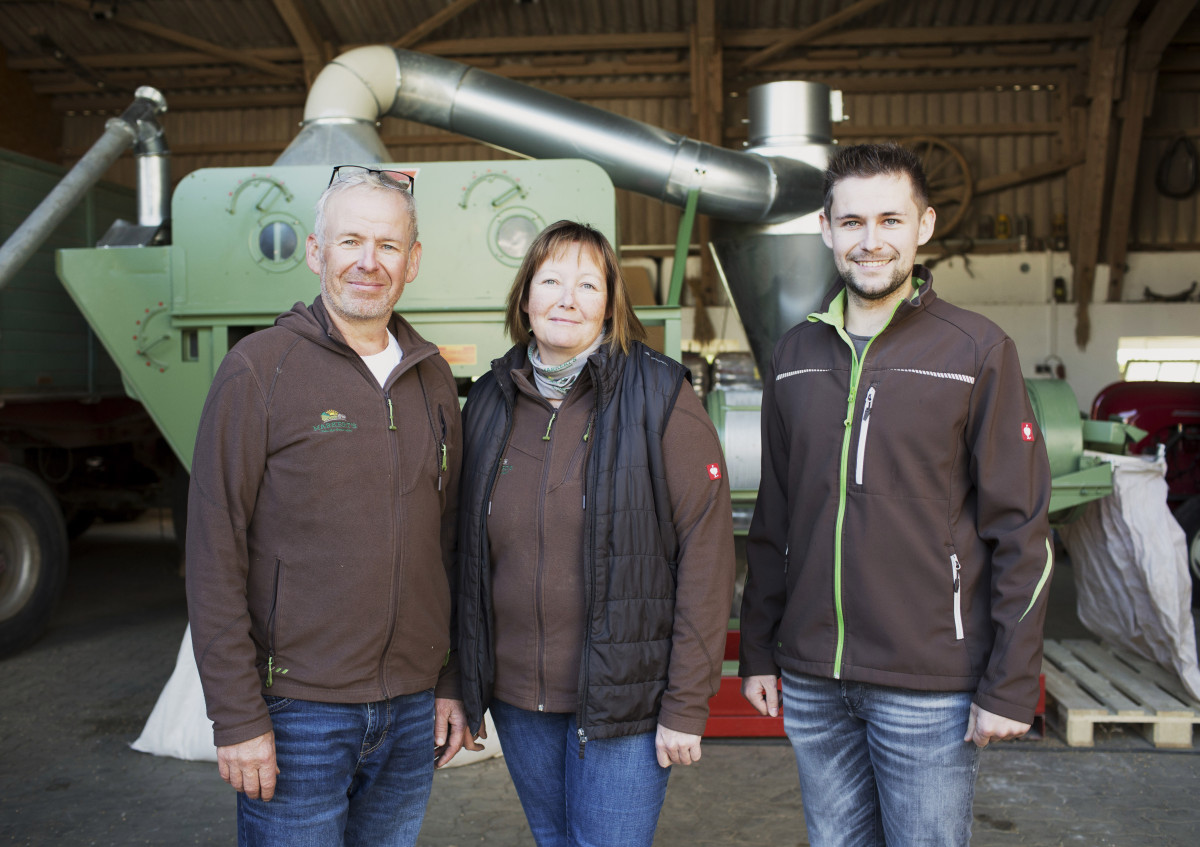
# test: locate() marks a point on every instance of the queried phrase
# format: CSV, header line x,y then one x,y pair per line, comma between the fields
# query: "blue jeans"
x,y
349,774
881,765
612,796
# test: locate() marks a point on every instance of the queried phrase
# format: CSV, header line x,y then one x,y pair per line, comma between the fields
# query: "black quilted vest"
x,y
629,550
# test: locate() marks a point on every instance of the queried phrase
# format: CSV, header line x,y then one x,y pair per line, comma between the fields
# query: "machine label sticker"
x,y
714,472
334,421
459,354
1027,431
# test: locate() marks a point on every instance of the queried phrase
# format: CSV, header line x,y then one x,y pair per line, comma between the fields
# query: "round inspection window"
x,y
511,232
277,244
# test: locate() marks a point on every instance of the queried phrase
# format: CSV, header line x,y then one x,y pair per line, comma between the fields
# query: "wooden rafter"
x,y
126,20
809,33
305,34
607,42
431,23
1164,21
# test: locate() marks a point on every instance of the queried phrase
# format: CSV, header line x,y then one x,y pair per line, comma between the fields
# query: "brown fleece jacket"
x,y
321,524
535,534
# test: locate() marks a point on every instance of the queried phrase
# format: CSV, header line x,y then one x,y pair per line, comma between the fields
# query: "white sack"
x,y
179,726
1131,573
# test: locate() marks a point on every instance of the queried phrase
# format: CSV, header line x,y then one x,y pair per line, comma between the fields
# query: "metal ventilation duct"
x,y
773,267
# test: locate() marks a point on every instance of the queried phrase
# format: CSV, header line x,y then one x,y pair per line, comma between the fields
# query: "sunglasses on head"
x,y
398,179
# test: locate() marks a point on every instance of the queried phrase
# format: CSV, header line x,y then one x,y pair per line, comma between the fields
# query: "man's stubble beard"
x,y
899,277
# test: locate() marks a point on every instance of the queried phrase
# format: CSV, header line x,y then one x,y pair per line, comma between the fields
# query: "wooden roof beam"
x,y
809,33
238,57
604,42
1162,25
304,33
414,35
1151,39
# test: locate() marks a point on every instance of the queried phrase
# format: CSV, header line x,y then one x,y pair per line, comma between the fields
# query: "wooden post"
x,y
1107,55
708,116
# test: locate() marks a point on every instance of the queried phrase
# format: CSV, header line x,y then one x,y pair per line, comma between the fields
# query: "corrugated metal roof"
x,y
78,47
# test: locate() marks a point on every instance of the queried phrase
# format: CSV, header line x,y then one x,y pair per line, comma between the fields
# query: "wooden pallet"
x,y
1088,683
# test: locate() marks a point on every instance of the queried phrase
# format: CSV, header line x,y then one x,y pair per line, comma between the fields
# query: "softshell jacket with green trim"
x,y
321,524
630,547
900,536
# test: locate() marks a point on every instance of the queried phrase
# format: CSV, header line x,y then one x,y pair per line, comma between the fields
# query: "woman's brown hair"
x,y
623,325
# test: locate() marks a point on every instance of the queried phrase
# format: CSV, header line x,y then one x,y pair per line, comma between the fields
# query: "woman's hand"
x,y
676,748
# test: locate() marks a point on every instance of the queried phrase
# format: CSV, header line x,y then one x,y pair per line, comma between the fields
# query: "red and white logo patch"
x,y
714,471
1027,431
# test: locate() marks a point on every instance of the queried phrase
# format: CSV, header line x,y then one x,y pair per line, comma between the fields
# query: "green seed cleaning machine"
x,y
223,254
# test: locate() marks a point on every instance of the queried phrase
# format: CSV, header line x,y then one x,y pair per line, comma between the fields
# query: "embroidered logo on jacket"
x,y
1027,431
334,421
714,471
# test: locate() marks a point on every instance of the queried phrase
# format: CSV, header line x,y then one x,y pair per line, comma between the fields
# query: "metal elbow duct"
x,y
365,84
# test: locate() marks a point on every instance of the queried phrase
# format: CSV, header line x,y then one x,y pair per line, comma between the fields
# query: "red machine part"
x,y
1170,413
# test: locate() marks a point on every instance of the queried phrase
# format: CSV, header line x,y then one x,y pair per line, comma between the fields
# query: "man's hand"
x,y
449,729
762,692
250,766
676,748
984,727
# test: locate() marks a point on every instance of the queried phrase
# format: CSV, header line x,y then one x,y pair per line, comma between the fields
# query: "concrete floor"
x,y
70,706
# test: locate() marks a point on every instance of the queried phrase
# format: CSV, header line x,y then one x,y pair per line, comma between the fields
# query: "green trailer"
x,y
73,445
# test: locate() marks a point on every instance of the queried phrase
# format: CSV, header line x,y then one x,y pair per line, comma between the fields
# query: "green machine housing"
x,y
167,315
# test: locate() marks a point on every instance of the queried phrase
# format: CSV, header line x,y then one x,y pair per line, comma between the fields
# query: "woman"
x,y
596,551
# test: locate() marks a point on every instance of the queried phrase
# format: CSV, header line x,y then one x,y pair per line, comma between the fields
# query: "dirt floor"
x,y
71,705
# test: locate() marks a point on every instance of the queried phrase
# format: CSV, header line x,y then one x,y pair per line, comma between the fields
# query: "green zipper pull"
x,y
391,420
444,460
546,437
588,432
271,671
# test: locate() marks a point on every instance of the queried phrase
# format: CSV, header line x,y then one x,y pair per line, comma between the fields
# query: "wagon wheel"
x,y
949,178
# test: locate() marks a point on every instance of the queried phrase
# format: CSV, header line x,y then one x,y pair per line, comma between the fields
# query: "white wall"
x,y
1016,290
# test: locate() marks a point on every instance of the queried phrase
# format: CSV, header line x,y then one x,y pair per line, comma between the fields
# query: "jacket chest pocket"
x,y
420,453
864,427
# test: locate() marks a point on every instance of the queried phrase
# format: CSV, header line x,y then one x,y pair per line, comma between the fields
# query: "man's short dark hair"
x,y
868,160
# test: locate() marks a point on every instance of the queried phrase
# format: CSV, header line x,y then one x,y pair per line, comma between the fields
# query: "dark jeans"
x,y
881,765
610,797
352,774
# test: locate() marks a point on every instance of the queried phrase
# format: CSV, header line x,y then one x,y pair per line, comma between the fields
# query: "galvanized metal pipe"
x,y
516,117
119,134
362,85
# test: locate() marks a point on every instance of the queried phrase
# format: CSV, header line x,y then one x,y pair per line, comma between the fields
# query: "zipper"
x,y
271,667
391,419
539,579
862,434
958,624
589,569
587,434
856,366
442,458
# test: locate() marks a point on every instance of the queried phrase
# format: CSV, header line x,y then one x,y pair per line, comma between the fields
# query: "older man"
x,y
320,544
900,553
